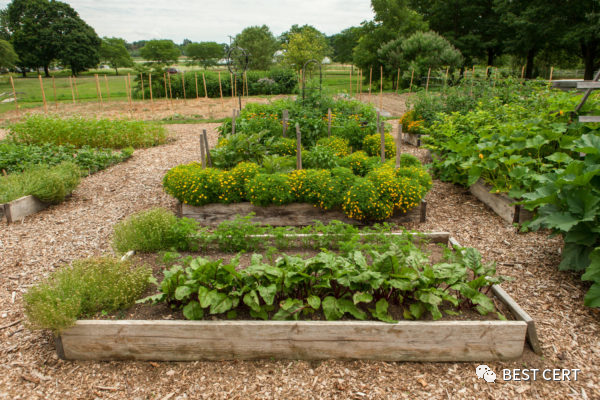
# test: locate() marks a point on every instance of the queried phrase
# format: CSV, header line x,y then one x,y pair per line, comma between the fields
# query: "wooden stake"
x,y
54,89
380,86
357,81
231,82
143,90
446,79
196,80
183,85
298,147
246,80
398,81
233,122
130,91
486,71
127,93
522,72
202,156
107,88
12,84
399,146
428,75
412,75
43,94
206,148
165,81
72,92
329,122
204,82
496,78
550,80
170,90
98,93
150,87
370,80
382,133
221,91
350,80
76,89
284,122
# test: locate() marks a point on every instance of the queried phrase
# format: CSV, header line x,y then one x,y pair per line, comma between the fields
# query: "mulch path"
x,y
81,227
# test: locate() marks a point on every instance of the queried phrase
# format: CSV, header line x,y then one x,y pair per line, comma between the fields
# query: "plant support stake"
x,y
329,122
298,147
202,156
382,133
12,84
284,122
206,148
399,146
43,94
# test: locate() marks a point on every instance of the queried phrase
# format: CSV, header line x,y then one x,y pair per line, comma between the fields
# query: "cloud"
x,y
214,20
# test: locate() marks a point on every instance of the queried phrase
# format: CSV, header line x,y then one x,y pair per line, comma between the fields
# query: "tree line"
x,y
410,35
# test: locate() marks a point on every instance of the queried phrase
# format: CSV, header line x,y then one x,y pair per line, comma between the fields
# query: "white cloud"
x,y
214,20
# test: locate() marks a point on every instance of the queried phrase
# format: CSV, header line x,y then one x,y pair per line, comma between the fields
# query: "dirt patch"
x,y
393,103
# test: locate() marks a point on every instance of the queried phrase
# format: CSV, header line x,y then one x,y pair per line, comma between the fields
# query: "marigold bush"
x,y
269,189
372,145
340,146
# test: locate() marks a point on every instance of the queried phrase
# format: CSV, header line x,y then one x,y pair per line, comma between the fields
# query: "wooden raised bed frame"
x,y
294,214
310,340
502,205
21,208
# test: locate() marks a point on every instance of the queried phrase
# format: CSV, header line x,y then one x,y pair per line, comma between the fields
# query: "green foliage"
x,y
320,157
8,57
362,202
80,131
308,44
160,51
15,157
359,162
340,146
335,285
269,189
284,147
86,287
259,43
153,230
233,149
372,145
114,52
48,184
204,53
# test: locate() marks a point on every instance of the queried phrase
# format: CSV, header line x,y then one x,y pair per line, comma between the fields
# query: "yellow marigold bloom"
x,y
481,156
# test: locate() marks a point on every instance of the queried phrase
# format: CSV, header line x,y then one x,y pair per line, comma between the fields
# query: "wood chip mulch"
x,y
81,227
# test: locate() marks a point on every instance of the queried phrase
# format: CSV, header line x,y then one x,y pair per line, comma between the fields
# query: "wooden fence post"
x,y
206,148
72,91
428,75
12,84
54,89
382,133
550,80
204,81
329,122
183,85
170,90
149,87
412,75
298,147
399,146
43,94
284,122
165,81
202,156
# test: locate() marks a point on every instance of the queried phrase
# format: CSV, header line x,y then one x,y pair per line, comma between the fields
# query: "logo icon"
x,y
484,372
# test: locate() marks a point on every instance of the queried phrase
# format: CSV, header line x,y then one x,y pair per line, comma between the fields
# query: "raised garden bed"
x,y
21,208
169,340
295,214
502,205
413,139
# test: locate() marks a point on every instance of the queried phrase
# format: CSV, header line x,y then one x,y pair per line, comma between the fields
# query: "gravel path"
x,y
81,227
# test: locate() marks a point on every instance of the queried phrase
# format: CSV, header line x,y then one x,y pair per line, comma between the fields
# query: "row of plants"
x,y
374,276
526,141
274,81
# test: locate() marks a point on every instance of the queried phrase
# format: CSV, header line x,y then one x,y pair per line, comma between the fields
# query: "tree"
x,y
205,53
308,44
4,32
344,43
8,57
160,51
114,52
419,52
259,43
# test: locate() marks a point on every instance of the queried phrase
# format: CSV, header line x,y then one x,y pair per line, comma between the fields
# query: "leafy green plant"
x,y
80,131
320,157
332,284
372,145
340,146
153,230
82,289
269,189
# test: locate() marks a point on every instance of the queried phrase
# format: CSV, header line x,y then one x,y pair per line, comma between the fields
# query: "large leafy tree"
x,y
205,53
308,44
162,51
259,43
114,52
8,57
344,43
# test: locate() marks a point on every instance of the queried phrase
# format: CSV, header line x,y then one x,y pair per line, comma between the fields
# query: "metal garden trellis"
x,y
304,76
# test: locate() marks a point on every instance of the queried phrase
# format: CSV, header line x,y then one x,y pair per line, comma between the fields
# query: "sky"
x,y
216,19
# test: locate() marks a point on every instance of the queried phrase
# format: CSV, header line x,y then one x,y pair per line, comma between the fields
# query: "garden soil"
x,y
81,227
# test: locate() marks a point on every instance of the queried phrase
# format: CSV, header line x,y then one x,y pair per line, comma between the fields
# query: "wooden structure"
x,y
502,205
589,86
21,208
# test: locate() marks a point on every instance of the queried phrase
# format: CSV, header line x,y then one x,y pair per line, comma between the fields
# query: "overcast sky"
x,y
216,19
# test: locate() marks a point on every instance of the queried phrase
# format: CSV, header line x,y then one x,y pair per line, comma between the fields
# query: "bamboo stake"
x,y
370,80
196,80
143,91
233,122
76,89
98,93
107,88
246,84
550,81
357,80
165,81
329,122
412,75
130,91
170,90
399,146
380,86
150,87
446,79
298,147
522,72
350,80
231,83
382,133
43,94
72,92
204,82
12,83
398,81
127,93
54,89
235,90
183,85
428,75
221,91
284,122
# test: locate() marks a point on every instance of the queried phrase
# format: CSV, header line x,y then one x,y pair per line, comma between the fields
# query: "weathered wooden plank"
x,y
432,237
412,139
23,207
294,214
588,85
565,84
310,340
502,205
589,118
2,212
520,315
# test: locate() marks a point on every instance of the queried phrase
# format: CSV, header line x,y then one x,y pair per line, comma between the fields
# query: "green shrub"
x,y
284,147
269,189
372,145
417,173
340,146
358,162
80,131
82,289
191,184
154,230
362,202
48,184
278,164
240,175
321,157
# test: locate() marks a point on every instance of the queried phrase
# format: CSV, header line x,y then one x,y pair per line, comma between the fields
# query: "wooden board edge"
x,y
30,204
521,315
